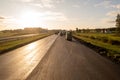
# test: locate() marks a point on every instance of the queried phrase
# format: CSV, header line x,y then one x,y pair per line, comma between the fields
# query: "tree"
x,y
118,23
77,29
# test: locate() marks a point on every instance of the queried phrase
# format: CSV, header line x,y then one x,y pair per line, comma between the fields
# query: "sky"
x,y
58,14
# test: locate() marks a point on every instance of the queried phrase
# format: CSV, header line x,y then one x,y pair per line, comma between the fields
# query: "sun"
x,y
29,18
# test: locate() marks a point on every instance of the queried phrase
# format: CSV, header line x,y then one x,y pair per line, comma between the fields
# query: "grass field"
x,y
4,47
109,42
9,34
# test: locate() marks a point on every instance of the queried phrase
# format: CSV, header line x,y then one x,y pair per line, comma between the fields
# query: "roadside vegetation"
x,y
118,24
18,42
105,44
7,46
105,41
18,32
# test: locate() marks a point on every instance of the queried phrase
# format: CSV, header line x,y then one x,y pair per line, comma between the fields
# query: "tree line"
x,y
28,30
103,30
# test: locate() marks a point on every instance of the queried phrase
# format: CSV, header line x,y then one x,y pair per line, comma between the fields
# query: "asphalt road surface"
x,y
18,64
68,60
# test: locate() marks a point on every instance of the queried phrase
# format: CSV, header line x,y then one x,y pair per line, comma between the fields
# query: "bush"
x,y
99,38
92,37
105,39
114,42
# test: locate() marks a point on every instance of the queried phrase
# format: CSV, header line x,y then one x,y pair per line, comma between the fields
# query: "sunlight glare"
x,y
29,18
31,46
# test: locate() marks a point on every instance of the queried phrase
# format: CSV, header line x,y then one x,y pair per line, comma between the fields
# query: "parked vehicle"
x,y
69,35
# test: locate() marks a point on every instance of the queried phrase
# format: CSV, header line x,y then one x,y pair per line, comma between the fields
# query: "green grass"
x,y
7,34
97,40
101,44
10,34
4,47
106,38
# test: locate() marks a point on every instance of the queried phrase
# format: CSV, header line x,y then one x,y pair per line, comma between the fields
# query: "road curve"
x,y
68,60
17,64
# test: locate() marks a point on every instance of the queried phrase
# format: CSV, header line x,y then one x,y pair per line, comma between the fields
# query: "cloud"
x,y
41,3
39,16
37,5
7,20
26,0
86,2
2,25
105,4
76,6
108,20
49,3
112,13
117,6
108,4
111,16
2,17
48,15
22,0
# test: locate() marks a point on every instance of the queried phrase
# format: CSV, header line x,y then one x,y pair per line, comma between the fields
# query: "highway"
x,y
54,58
19,63
70,60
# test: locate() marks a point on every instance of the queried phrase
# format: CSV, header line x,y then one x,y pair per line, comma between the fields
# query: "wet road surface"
x,y
68,60
17,64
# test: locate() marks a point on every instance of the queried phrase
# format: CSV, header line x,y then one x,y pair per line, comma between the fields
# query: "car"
x,y
69,35
61,34
56,33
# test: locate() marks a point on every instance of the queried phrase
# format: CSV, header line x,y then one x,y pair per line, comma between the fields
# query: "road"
x,y
19,63
68,60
